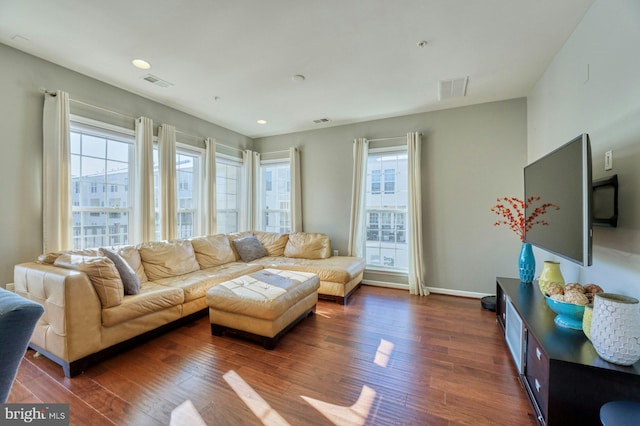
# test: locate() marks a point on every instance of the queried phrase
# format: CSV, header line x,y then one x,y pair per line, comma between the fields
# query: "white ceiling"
x,y
361,58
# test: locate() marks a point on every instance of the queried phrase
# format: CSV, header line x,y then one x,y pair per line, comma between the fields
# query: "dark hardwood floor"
x,y
387,358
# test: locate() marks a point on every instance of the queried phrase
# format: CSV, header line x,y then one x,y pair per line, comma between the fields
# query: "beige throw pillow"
x,y
308,246
273,242
213,250
101,272
165,259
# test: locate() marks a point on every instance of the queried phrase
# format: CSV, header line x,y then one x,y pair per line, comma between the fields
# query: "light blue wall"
x,y
593,86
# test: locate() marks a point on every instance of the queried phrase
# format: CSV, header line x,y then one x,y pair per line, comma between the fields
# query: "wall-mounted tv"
x,y
563,177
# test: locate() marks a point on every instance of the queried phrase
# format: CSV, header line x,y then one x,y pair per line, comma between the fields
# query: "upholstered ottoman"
x,y
264,305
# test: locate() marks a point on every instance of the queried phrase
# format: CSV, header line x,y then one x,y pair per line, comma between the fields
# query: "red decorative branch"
x,y
512,209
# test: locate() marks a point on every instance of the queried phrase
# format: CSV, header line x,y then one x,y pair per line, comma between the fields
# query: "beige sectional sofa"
x,y
88,315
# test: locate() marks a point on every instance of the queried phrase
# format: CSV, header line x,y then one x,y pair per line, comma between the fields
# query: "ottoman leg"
x,y
216,330
270,344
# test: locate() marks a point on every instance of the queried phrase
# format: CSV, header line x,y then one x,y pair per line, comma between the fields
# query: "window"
x,y
100,159
275,196
375,181
228,172
389,181
188,176
386,210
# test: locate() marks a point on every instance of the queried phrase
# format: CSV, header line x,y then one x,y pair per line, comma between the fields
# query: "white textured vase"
x,y
615,328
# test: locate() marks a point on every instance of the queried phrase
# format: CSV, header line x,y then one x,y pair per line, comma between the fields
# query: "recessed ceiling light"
x,y
141,63
423,43
261,121
298,77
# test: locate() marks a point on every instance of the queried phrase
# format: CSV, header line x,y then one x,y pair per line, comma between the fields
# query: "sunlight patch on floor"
x,y
256,404
322,314
355,415
385,348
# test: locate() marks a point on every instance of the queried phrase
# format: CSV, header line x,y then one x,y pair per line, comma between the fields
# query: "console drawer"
x,y
537,372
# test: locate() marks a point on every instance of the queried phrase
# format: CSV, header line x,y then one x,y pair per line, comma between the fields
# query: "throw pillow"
x,y
165,259
101,272
130,280
274,243
308,246
213,250
249,248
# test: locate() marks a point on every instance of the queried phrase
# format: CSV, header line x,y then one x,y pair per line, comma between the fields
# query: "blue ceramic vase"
x,y
526,264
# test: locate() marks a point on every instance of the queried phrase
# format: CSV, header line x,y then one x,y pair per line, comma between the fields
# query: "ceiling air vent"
x,y
455,88
157,81
321,120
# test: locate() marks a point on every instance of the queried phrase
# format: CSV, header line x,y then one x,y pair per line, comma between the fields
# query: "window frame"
x,y
89,127
283,219
196,210
230,160
387,219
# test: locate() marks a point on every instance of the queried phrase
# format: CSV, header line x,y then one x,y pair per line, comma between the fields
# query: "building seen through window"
x,y
276,197
386,210
100,174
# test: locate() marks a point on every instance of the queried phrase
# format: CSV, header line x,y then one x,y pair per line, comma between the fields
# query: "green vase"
x,y
550,274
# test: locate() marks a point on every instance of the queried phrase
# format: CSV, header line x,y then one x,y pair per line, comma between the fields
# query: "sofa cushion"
x,y
101,272
132,256
338,269
273,242
130,280
163,259
213,250
249,248
151,299
194,284
308,246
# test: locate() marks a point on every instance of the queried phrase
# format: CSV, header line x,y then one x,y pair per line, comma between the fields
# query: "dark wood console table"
x,y
565,379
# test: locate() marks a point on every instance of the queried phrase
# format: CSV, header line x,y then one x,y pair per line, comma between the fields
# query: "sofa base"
x,y
339,299
268,343
78,366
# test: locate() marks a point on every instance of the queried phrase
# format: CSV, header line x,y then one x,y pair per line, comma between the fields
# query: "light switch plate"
x,y
608,160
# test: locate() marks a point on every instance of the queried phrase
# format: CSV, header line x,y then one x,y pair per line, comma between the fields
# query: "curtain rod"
x,y
275,152
47,92
389,138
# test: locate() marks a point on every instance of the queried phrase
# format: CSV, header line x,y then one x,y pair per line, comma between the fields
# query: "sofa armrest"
x,y
71,325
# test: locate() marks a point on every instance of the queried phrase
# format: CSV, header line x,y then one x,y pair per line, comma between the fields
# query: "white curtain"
x,y
249,206
296,189
210,210
56,173
144,211
414,219
357,222
168,199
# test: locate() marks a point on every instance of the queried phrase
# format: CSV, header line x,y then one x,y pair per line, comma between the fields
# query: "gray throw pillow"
x,y
130,280
249,248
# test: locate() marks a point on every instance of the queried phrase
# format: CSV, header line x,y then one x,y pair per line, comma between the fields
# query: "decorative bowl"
x,y
568,314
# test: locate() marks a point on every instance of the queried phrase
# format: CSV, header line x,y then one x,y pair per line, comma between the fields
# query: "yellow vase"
x,y
550,274
586,320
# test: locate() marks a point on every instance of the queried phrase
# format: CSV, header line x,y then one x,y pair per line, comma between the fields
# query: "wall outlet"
x,y
608,160
335,252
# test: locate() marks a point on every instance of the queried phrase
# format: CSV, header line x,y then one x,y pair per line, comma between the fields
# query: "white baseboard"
x,y
436,290
459,293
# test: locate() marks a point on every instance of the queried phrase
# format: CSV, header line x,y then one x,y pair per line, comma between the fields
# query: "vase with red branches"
x,y
512,215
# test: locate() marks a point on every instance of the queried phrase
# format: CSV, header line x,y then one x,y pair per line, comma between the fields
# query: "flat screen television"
x,y
563,177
